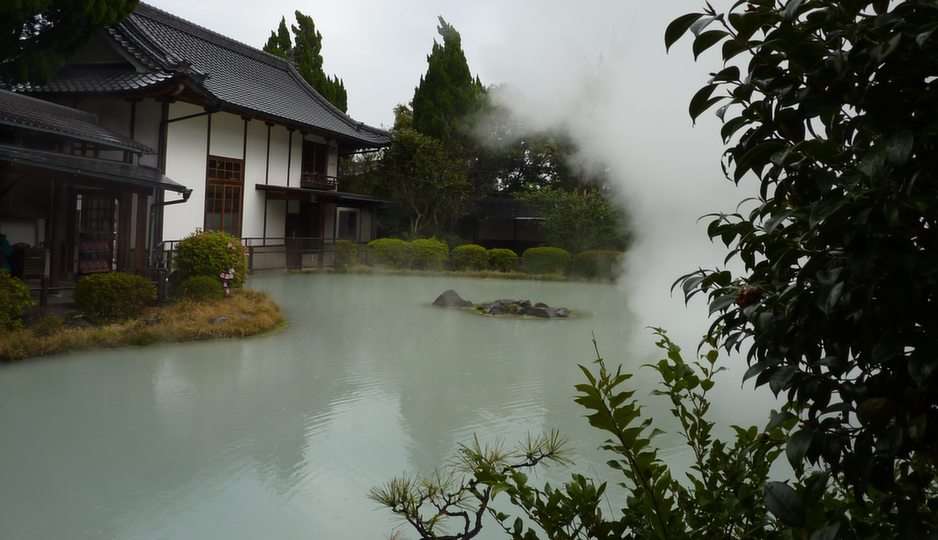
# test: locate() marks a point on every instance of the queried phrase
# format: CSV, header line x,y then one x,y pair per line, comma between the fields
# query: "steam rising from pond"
x,y
598,71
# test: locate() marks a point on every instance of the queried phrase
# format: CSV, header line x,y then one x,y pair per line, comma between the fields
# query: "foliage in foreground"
x,y
201,289
14,301
245,313
833,118
720,497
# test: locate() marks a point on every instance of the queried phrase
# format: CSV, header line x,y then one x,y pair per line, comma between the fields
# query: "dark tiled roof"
x,y
234,73
34,114
96,80
96,168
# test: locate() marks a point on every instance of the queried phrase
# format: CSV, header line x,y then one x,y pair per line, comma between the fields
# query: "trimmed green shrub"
x,y
392,252
346,254
14,301
201,288
210,253
546,260
503,260
598,264
429,254
470,257
114,295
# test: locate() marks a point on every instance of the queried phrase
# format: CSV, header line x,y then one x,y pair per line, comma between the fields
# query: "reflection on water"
x,y
282,436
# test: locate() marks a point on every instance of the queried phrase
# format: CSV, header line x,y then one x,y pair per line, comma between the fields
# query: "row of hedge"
x,y
433,254
200,260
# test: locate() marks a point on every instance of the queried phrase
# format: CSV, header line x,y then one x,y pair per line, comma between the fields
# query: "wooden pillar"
x,y
124,220
140,245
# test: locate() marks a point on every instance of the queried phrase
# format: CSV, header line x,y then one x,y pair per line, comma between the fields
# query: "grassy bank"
x,y
476,274
245,313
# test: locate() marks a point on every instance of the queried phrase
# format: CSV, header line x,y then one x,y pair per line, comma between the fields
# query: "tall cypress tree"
x,y
279,42
447,93
305,51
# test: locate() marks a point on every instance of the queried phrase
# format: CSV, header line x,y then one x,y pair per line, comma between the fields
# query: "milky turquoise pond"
x,y
282,436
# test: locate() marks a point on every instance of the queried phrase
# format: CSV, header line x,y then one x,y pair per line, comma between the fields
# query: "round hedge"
x,y
429,254
598,264
470,257
546,260
14,301
114,295
346,254
503,260
210,253
201,288
392,252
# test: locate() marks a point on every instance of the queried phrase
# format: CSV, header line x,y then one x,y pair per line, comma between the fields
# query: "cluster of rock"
x,y
519,308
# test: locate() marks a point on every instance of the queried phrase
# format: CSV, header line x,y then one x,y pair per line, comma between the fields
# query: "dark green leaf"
x,y
899,148
791,9
679,27
698,104
784,503
706,40
732,48
798,445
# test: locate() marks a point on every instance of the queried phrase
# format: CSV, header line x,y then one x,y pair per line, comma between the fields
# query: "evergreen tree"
x,y
447,93
305,51
37,35
279,42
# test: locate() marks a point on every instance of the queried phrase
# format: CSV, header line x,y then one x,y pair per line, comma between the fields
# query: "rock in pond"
x,y
451,298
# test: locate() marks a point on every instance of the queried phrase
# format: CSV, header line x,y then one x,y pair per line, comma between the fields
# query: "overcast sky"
x,y
379,47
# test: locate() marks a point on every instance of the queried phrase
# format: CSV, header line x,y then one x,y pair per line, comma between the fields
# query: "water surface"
x,y
283,435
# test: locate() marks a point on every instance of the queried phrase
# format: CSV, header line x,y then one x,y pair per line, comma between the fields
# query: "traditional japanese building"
x,y
257,146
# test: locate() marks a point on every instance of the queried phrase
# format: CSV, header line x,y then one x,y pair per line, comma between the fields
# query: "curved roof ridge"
x,y
202,33
184,25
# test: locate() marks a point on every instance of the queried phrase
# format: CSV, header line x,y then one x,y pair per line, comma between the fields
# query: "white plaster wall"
x,y
255,167
186,156
296,159
279,138
227,135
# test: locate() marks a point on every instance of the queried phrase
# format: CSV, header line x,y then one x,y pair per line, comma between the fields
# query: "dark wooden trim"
x,y
244,173
208,155
164,134
289,156
267,171
140,240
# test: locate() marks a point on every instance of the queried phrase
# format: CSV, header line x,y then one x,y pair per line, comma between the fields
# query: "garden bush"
x,y
114,295
210,253
470,257
598,264
392,252
201,288
546,260
14,300
429,254
346,254
503,260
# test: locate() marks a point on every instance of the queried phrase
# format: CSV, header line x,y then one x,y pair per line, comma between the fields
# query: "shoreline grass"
x,y
473,274
246,313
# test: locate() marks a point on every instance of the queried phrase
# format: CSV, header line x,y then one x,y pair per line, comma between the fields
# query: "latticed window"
x,y
224,186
